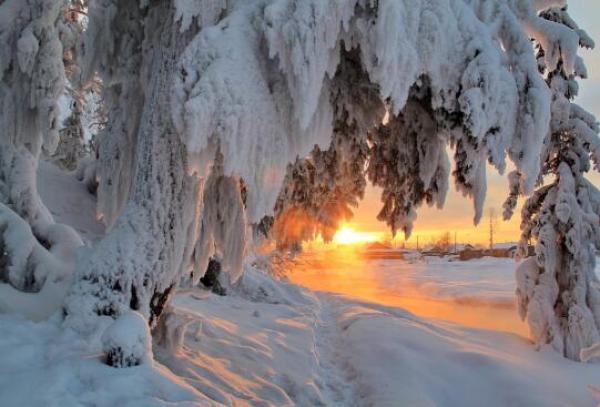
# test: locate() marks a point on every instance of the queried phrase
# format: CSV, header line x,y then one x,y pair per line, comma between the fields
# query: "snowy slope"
x,y
69,201
312,350
43,365
404,360
324,349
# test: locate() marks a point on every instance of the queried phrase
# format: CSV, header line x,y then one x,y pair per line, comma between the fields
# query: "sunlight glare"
x,y
348,236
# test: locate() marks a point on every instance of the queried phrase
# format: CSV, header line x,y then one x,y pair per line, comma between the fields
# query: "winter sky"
x,y
457,215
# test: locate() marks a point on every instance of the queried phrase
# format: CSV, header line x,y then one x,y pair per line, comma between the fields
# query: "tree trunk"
x,y
141,259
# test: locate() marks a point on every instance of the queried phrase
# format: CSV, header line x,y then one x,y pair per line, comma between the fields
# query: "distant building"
x,y
377,246
378,250
504,251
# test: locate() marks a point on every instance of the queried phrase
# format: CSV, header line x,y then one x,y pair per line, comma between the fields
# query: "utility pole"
x,y
455,247
492,220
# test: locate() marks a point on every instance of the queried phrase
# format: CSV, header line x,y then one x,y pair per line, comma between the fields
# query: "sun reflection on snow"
x,y
344,269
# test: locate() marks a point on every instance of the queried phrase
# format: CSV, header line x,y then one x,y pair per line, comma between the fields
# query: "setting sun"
x,y
346,235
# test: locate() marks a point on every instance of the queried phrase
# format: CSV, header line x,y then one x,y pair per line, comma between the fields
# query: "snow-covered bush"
x,y
86,173
127,341
29,256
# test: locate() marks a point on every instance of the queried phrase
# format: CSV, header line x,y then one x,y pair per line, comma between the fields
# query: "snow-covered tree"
x,y
481,98
558,291
71,144
32,78
146,196
33,248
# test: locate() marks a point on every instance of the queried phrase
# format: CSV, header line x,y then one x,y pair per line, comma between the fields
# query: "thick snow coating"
x,y
262,83
36,254
558,292
480,81
223,217
219,113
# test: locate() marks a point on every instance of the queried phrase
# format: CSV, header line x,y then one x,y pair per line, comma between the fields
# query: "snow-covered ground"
x,y
477,293
69,201
389,333
488,280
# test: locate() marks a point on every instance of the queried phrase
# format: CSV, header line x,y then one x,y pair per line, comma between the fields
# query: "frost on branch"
x,y
558,290
319,192
112,47
229,92
75,108
409,161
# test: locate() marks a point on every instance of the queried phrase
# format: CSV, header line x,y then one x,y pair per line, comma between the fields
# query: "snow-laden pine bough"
x,y
209,101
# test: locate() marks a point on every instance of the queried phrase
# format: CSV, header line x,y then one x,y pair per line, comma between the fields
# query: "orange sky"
x,y
457,215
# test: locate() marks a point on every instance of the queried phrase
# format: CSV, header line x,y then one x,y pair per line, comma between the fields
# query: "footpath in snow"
x,y
293,346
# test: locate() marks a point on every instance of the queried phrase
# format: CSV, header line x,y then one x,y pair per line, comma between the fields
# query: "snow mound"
x,y
411,361
44,365
127,341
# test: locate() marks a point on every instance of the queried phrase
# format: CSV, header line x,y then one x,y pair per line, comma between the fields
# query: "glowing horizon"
x,y
347,235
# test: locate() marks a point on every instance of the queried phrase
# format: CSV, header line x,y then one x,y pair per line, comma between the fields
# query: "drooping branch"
x,y
408,161
487,101
319,191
